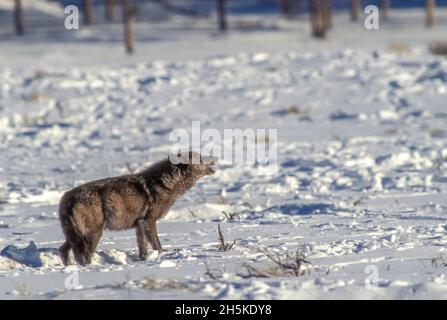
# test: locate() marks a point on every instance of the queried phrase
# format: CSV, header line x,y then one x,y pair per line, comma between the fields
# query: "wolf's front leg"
x,y
152,235
142,239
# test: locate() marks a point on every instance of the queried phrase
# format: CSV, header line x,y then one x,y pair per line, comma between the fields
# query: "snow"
x,y
362,150
41,6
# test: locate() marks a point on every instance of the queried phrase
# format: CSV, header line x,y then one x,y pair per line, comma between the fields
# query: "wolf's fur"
x,y
130,201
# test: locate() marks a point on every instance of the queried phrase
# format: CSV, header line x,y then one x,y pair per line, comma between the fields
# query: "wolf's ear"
x,y
177,158
209,160
195,157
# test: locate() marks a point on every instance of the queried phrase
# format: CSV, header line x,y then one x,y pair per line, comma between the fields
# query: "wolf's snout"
x,y
209,161
210,171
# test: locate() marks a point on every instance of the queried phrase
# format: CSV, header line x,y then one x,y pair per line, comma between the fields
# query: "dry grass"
x,y
247,205
390,131
285,264
437,133
213,274
399,47
151,283
294,110
439,261
359,200
303,113
191,212
438,48
33,96
230,216
223,245
33,120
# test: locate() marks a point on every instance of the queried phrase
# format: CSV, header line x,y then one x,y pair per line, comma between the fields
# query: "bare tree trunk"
x,y
384,8
355,8
285,7
88,12
128,12
222,20
110,12
18,17
290,8
430,13
316,18
327,14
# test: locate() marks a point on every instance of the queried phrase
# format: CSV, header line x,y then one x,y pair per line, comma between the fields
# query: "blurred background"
x,y
181,30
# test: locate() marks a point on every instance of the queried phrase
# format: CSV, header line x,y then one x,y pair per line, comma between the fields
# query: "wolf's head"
x,y
194,165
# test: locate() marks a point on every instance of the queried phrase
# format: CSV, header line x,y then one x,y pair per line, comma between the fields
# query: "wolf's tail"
x,y
71,229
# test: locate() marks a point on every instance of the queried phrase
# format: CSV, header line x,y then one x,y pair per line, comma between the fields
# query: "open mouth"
x,y
211,168
210,162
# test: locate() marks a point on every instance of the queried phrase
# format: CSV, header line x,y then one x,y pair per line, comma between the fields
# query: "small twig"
x,y
222,244
359,201
209,273
192,213
230,216
232,244
226,215
221,239
248,205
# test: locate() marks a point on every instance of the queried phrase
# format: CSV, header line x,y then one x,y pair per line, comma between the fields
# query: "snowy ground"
x,y
362,150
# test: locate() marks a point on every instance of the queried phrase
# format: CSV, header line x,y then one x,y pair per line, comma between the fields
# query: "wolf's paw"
x,y
143,256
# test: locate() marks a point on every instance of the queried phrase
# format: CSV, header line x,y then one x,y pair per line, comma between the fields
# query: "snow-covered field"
x,y
362,149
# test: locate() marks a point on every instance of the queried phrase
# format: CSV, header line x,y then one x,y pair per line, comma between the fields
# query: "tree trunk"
x,y
355,8
128,12
110,12
18,17
384,8
222,20
285,7
316,18
88,12
430,13
327,14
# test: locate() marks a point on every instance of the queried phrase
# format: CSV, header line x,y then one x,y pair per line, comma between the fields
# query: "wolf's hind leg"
x,y
79,247
141,239
64,251
79,254
92,243
75,242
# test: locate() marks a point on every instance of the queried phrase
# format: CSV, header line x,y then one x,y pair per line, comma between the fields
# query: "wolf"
x,y
125,202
